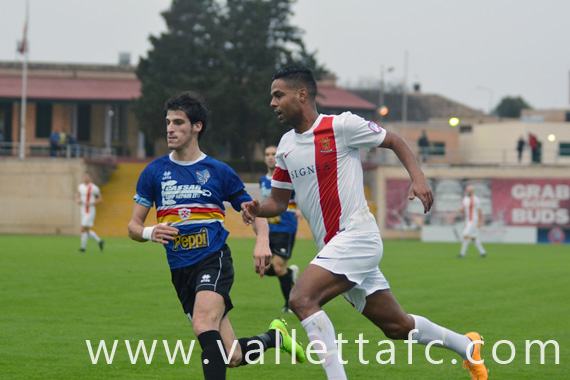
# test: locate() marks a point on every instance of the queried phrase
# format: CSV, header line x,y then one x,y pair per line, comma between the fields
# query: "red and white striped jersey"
x,y
88,194
323,166
471,205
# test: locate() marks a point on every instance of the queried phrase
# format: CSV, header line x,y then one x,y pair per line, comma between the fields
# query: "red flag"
x,y
23,44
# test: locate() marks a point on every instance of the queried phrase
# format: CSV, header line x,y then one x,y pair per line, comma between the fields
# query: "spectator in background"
x,y
534,146
520,147
423,144
53,143
62,141
72,142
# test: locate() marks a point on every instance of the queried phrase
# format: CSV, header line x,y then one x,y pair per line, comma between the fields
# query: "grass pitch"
x,y
53,299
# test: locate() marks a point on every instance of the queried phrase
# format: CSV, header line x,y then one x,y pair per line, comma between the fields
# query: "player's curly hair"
x,y
298,77
192,105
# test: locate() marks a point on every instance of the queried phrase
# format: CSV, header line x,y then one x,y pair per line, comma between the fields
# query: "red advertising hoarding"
x,y
531,202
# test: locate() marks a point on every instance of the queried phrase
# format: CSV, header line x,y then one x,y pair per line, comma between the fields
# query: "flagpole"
x,y
24,51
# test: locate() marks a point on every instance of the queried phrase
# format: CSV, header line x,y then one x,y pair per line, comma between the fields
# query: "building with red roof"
x,y
91,103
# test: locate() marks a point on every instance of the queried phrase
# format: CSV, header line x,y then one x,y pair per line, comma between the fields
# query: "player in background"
x,y
188,189
282,230
320,159
88,195
471,207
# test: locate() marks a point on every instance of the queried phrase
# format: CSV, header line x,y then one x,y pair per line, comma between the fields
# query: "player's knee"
x,y
299,302
397,330
199,325
280,269
279,265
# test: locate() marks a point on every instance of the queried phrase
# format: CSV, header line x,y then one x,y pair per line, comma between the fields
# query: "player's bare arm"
x,y
98,199
261,253
274,205
161,233
420,187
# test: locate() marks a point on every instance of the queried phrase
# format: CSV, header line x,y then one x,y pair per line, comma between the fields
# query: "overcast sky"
x,y
474,52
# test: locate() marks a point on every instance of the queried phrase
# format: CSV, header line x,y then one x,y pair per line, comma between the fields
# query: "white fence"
x,y
67,151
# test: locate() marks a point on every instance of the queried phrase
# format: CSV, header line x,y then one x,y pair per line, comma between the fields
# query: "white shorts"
x,y
471,229
88,219
356,252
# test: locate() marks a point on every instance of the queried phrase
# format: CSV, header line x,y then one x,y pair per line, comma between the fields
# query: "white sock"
x,y
429,331
479,246
464,246
84,237
94,236
319,327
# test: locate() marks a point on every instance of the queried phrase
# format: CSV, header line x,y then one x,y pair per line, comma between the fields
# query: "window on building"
x,y
83,122
564,149
465,129
43,119
437,148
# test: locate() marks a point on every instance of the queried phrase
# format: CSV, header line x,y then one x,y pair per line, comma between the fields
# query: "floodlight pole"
x,y
23,108
405,97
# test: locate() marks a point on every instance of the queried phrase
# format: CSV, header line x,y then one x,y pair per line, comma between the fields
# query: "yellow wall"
x,y
37,196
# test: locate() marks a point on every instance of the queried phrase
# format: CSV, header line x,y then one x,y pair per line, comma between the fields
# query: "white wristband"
x,y
147,233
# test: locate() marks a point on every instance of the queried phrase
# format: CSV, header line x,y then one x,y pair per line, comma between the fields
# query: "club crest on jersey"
x,y
185,213
203,176
326,145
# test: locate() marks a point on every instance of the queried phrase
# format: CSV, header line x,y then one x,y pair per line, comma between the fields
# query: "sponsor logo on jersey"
x,y
203,176
192,241
374,127
172,191
185,213
326,145
296,173
205,278
166,175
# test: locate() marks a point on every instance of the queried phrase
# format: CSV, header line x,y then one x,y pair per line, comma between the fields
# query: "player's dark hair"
x,y
298,77
192,105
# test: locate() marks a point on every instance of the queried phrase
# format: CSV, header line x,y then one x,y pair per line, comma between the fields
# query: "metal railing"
x,y
9,149
472,156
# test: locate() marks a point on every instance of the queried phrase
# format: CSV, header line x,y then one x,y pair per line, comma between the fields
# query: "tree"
x,y
227,53
511,107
